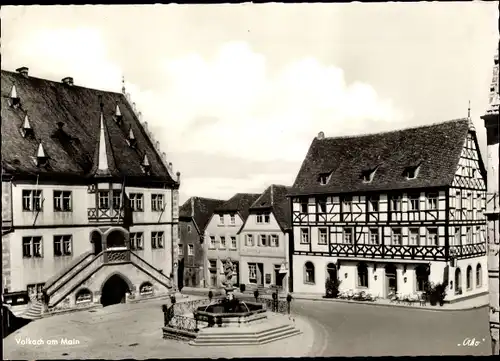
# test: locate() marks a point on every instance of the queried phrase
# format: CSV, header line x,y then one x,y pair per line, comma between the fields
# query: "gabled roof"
x,y
66,119
200,210
239,203
274,199
435,148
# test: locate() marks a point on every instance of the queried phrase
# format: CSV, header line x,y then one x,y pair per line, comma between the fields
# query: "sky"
x,y
236,93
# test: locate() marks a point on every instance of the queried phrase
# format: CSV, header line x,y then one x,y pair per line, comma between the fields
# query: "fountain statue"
x,y
229,281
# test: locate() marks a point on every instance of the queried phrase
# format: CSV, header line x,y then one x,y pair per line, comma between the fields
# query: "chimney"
x,y
68,81
178,177
23,71
170,165
321,135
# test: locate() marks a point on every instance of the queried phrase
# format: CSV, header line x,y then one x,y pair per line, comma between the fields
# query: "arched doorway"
x,y
180,275
331,271
114,291
96,240
115,239
391,279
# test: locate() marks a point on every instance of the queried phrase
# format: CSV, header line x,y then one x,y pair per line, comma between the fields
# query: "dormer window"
x,y
15,101
146,166
41,156
131,139
412,172
118,114
368,174
26,128
323,178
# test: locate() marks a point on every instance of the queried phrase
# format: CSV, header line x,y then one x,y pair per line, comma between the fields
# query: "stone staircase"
x,y
34,311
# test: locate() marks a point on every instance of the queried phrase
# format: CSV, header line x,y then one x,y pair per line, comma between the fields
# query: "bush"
x,y
332,288
242,287
435,293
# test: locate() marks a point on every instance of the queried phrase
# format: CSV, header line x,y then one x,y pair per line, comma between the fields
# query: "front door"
x,y
391,280
260,274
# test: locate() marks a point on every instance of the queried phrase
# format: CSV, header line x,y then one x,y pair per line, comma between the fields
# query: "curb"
x,y
390,304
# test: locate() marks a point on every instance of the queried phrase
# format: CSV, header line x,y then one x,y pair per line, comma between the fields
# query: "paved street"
x,y
332,329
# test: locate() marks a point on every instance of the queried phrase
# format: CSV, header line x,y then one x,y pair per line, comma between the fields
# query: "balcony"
x,y
436,253
104,214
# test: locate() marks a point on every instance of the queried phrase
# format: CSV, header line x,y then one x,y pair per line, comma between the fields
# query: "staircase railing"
x,y
66,273
153,272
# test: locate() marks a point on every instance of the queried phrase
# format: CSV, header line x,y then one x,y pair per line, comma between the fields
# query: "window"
x,y
252,273
469,235
212,242
362,275
432,237
267,217
83,296
136,202
322,236
304,205
458,281
103,198
32,247
323,178
232,219
156,240
221,219
411,172
249,240
368,174
422,278
414,202
136,241
62,201
263,218
157,202
479,275
32,200
395,203
458,236
275,240
180,247
373,203
304,235
190,250
263,240
469,278
188,228
414,237
309,272
432,201
347,205
321,205
397,238
348,235
222,242
117,199
62,245
234,244
146,288
374,238
35,291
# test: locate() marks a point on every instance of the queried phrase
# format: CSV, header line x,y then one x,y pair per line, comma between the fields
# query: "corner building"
x,y
89,206
386,213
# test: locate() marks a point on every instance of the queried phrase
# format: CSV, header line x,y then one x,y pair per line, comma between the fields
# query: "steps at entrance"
x,y
34,312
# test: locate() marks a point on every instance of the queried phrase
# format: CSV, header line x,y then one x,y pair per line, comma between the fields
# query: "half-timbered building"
x,y
386,213
89,206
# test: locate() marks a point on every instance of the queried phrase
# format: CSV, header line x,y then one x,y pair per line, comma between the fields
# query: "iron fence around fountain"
x,y
277,306
184,323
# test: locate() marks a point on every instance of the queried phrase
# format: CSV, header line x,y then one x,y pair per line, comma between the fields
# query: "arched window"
x,y
469,277
458,281
479,275
362,275
422,277
309,269
331,271
83,296
146,288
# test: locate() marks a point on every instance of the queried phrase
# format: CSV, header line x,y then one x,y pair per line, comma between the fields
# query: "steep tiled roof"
x,y
240,203
274,198
436,148
72,148
200,210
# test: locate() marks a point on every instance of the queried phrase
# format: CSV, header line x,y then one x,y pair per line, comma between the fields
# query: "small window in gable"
x,y
323,178
412,172
368,174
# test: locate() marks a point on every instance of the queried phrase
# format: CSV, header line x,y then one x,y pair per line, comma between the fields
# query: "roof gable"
x,y
200,210
275,199
239,203
66,119
435,149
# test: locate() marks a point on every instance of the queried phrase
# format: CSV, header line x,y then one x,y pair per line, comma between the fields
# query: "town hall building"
x,y
89,203
386,213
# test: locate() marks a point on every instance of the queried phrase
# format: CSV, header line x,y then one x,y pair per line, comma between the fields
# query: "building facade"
x,y
194,215
89,206
386,213
491,122
264,241
221,237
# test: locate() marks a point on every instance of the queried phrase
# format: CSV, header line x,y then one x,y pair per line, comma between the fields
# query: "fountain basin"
x,y
230,314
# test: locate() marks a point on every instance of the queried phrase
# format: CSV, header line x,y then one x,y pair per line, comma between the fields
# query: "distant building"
x,y
386,213
264,241
221,237
194,215
89,206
